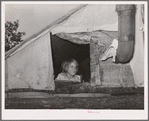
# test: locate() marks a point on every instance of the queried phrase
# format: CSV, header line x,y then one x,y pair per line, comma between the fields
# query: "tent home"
x,y
109,50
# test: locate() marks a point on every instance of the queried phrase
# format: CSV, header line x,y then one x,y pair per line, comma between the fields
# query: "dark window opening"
x,y
64,49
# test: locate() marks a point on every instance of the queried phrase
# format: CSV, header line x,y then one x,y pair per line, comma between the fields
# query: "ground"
x,y
77,96
113,102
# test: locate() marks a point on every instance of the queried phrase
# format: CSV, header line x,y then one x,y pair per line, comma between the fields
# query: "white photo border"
x,y
44,114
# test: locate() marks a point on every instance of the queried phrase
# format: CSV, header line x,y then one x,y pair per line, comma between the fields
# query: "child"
x,y
69,70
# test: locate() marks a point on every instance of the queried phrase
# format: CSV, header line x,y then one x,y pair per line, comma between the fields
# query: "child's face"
x,y
72,69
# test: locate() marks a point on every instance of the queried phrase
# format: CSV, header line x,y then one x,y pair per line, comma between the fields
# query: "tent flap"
x,y
32,67
75,38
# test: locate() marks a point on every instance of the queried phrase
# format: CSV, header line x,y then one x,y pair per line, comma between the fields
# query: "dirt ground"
x,y
135,101
110,98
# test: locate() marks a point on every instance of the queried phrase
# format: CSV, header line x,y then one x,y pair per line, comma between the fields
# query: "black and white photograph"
x,y
74,60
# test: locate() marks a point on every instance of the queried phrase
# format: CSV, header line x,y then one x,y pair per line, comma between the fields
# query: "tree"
x,y
12,36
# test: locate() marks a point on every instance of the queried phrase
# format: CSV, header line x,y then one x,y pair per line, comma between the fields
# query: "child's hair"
x,y
66,63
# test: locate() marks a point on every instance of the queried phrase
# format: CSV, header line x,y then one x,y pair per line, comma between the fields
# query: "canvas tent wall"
x,y
30,65
137,62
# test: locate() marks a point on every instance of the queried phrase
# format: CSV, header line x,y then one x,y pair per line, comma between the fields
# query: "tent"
x,y
33,64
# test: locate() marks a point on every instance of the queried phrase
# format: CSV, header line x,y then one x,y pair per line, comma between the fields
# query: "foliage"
x,y
12,36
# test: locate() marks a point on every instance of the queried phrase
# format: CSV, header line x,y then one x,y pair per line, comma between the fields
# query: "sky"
x,y
34,17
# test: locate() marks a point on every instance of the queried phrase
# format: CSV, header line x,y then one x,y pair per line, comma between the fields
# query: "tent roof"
x,y
90,18
83,18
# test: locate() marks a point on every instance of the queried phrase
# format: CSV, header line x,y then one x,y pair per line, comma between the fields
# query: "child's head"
x,y
70,66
